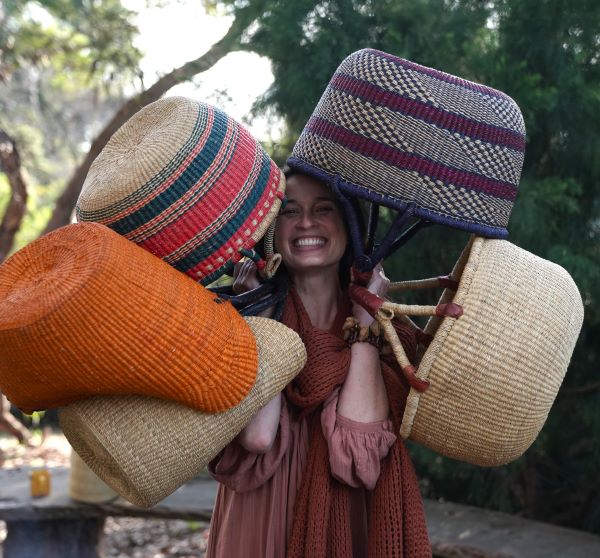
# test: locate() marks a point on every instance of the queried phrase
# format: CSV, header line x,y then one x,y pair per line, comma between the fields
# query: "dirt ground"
x,y
124,537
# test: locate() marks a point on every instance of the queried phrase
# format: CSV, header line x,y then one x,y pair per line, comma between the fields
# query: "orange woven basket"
x,y
85,312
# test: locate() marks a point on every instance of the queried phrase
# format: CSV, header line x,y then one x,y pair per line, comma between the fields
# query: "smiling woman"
x,y
326,444
310,232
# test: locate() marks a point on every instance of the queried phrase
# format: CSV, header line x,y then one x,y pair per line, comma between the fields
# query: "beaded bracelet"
x,y
354,333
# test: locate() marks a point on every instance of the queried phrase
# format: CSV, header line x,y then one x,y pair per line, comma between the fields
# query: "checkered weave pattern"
x,y
397,133
187,183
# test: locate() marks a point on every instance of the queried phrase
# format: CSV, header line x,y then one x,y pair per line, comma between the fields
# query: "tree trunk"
x,y
229,43
10,163
10,424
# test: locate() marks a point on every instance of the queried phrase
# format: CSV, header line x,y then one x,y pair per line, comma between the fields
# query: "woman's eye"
x,y
324,209
289,211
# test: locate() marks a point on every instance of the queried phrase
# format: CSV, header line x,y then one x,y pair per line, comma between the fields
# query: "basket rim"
x,y
471,263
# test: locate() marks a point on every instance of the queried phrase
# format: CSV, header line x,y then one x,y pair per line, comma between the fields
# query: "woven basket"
x,y
186,182
85,485
84,312
399,134
146,448
495,371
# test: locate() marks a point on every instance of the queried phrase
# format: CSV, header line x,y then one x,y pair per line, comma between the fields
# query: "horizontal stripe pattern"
x,y
221,235
447,120
392,201
402,132
204,204
226,202
197,170
408,161
454,96
162,180
401,187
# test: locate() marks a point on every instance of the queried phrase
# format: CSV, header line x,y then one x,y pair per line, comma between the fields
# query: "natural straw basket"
x,y
85,485
146,448
495,371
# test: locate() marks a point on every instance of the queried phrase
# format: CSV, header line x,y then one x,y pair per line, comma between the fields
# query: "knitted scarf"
x,y
321,526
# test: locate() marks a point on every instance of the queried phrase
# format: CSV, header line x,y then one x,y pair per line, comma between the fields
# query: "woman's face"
x,y
310,232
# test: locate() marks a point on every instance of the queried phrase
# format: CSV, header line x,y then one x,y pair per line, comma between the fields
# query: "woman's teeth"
x,y
309,241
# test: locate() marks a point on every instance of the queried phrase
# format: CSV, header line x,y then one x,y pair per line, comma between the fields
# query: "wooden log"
x,y
54,538
458,531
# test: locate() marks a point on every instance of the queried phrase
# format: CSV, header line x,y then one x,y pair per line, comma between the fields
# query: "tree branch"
x,y
10,164
583,389
230,42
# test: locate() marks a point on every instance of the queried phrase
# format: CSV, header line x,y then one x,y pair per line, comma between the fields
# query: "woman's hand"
x,y
378,284
245,276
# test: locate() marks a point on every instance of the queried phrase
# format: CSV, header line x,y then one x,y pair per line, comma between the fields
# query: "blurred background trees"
x,y
63,82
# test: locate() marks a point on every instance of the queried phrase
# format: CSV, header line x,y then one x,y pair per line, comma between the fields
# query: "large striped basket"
x,y
187,183
402,135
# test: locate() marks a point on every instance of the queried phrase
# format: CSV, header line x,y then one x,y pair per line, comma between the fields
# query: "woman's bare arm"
x,y
363,397
259,435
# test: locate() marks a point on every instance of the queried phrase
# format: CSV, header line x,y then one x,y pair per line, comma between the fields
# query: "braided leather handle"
x,y
384,312
369,301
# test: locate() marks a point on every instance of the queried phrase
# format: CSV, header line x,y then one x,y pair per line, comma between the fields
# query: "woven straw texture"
x,y
398,133
85,485
84,312
496,370
146,448
187,183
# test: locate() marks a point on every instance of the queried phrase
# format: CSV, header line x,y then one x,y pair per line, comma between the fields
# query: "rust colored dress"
x,y
255,501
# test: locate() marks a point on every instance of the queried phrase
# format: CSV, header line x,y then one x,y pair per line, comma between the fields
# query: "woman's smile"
x,y
309,242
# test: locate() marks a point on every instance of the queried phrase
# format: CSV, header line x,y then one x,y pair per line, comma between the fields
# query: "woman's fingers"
x,y
378,283
245,276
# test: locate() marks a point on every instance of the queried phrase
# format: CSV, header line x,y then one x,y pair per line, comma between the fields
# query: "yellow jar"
x,y
40,483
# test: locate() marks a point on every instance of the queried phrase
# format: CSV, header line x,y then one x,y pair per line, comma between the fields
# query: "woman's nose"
x,y
306,220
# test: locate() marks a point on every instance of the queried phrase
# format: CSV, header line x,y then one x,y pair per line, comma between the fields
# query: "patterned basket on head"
x,y
145,448
431,145
485,384
186,182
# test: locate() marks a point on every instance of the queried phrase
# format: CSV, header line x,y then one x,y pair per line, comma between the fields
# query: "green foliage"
x,y
4,193
306,40
549,64
65,64
39,208
90,38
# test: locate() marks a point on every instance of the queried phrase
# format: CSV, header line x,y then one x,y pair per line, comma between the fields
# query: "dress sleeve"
x,y
355,448
241,470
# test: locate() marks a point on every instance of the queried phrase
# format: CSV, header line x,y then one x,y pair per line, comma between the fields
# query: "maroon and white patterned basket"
x,y
397,133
